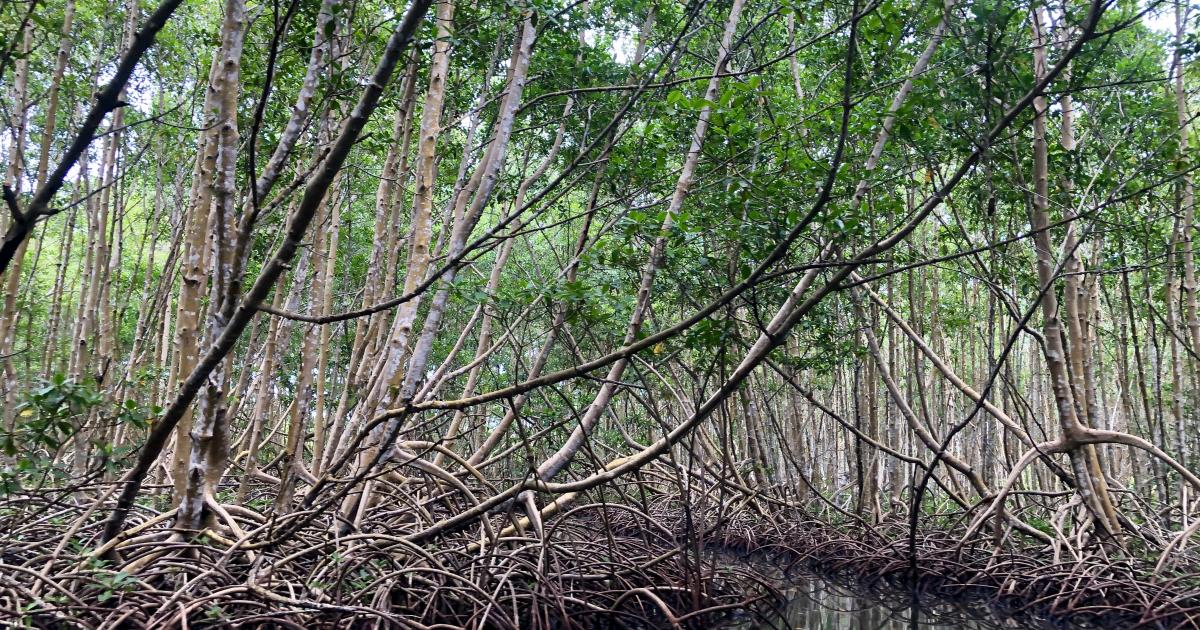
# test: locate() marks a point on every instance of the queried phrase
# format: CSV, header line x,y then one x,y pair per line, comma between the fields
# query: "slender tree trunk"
x,y
209,445
1091,489
12,182
552,465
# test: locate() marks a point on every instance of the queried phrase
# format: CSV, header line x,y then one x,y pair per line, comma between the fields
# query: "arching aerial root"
x,y
600,564
579,576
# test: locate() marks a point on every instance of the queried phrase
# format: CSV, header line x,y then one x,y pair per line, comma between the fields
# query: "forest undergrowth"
x,y
637,556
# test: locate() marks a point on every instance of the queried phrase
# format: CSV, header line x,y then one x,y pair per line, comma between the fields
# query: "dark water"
x,y
812,603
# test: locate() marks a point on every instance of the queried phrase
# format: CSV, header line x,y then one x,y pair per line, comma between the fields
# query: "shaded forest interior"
x,y
526,314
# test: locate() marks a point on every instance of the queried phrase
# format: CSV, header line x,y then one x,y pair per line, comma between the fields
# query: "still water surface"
x,y
811,603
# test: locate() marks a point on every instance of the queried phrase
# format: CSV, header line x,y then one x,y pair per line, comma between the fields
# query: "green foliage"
x,y
112,584
49,415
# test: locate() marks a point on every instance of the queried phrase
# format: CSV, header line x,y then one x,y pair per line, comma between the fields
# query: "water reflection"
x,y
810,603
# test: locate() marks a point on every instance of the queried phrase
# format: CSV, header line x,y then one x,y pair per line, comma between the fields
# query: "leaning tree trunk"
x,y
553,464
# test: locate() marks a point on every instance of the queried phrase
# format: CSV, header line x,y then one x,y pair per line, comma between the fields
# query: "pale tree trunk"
x,y
196,258
1139,373
194,274
474,119
381,273
81,330
318,59
292,467
484,345
262,401
868,462
1076,301
467,211
864,184
147,309
12,181
50,356
920,345
560,308
1172,311
930,441
319,416
297,225
208,452
51,118
552,465
421,232
111,243
163,356
1187,196
1091,489
293,462
310,393
756,443
387,370
95,344
468,208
